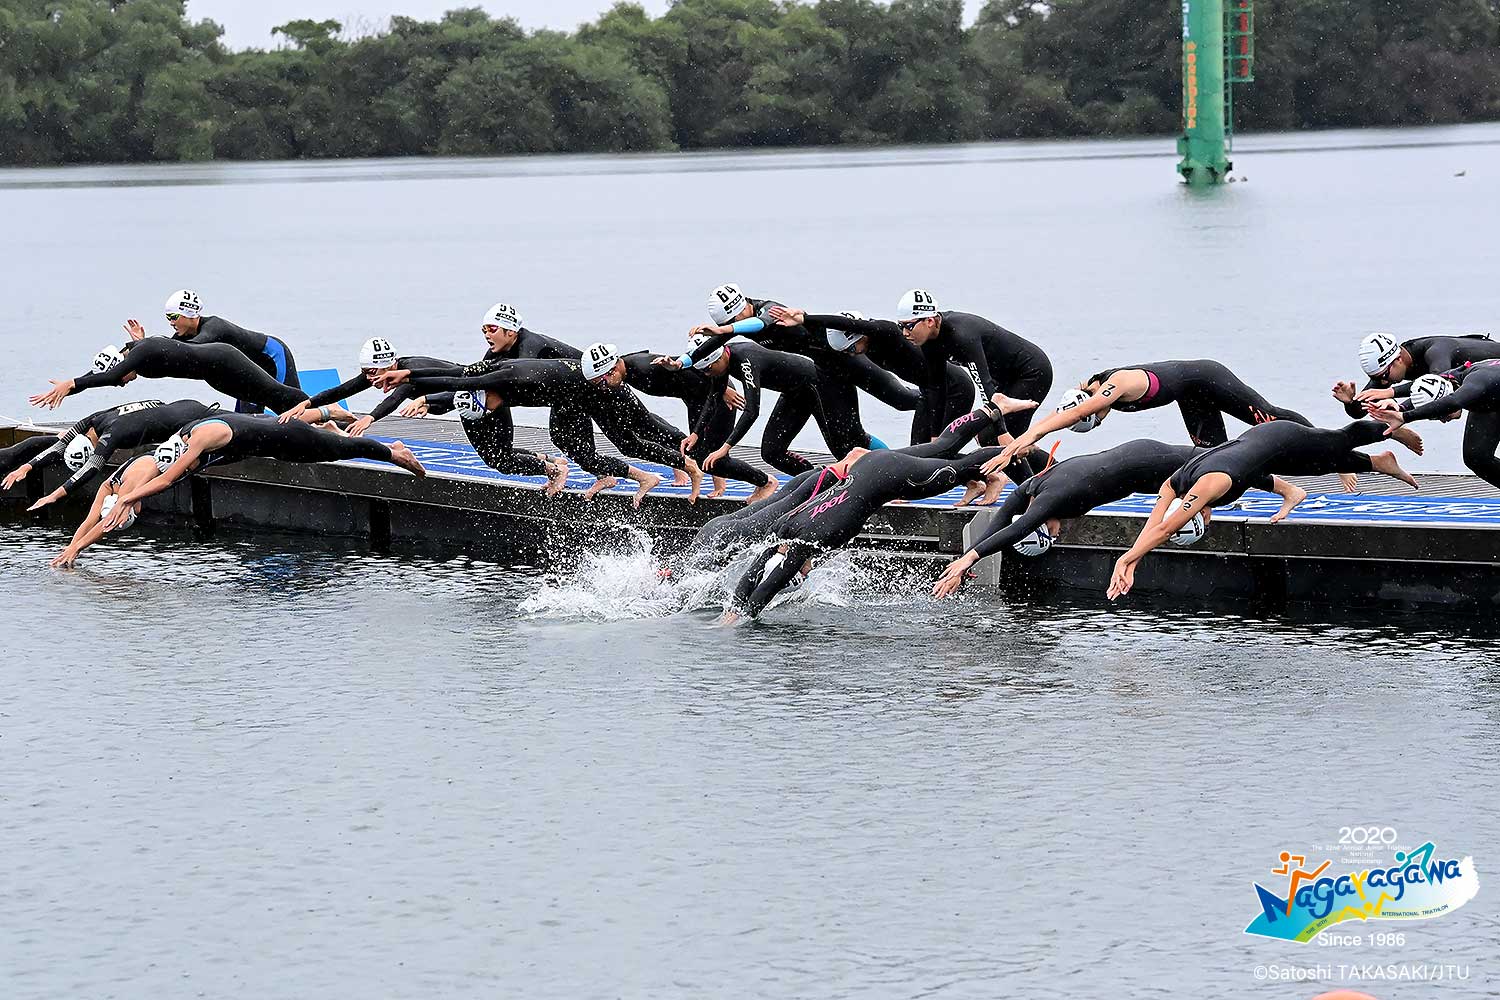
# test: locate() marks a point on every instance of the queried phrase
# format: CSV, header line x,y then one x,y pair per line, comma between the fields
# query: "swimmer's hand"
x,y
1344,391
1121,580
1371,395
134,328
414,408
671,363
954,575
358,428
16,476
386,381
733,399
295,413
52,398
65,559
715,455
687,444
708,330
787,316
112,520
49,499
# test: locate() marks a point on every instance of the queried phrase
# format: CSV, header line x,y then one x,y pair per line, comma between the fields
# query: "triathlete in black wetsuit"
x,y
375,356
839,375
752,368
184,312
1222,474
223,367
129,425
997,360
1203,390
1477,390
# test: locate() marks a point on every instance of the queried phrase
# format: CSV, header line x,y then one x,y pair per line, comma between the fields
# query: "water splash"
x,y
616,583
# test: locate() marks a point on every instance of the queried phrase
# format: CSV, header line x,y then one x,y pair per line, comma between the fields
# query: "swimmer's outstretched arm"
x,y
1160,526
205,438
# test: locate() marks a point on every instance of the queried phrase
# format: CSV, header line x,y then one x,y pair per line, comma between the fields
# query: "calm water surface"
x,y
257,768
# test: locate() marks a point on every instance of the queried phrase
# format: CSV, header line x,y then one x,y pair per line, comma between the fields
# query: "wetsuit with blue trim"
x,y
1478,392
840,376
695,389
996,360
270,353
1204,392
129,425
887,348
834,516
254,435
224,368
1281,448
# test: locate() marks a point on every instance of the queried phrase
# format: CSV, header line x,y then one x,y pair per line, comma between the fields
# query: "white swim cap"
x,y
376,352
169,451
1376,352
1071,400
1035,544
916,304
1189,533
78,452
725,303
108,358
1429,387
600,359
503,315
469,404
109,505
184,302
714,355
840,340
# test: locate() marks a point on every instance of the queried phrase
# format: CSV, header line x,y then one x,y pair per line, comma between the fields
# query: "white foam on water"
x,y
613,584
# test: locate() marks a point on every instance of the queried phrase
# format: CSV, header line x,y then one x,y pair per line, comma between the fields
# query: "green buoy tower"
x,y
1218,51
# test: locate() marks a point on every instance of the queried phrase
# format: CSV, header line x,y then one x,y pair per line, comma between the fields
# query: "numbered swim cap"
x,y
841,340
183,302
916,304
1072,399
503,315
169,451
469,404
1189,533
1376,352
109,505
725,303
377,352
108,358
600,359
1035,544
1429,387
714,355
78,452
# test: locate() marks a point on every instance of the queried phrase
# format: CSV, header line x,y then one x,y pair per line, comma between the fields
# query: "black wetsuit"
x,y
839,376
996,360
1433,356
263,436
360,382
694,388
834,516
1280,448
1074,487
25,451
1204,391
573,404
223,367
270,353
129,425
1478,392
886,347
794,378
529,346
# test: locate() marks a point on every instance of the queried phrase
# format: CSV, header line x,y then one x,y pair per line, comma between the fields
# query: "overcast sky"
x,y
248,23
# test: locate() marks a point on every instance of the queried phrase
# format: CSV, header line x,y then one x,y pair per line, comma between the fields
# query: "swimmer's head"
x,y
1071,400
602,364
470,404
169,451
1428,388
109,505
1035,544
108,358
1380,358
853,343
501,324
1189,533
917,315
183,309
376,355
78,452
727,303
715,362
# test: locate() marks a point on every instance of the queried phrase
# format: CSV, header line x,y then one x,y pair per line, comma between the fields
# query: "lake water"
x,y
258,767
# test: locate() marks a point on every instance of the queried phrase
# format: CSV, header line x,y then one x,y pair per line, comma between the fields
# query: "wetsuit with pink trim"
x,y
1204,391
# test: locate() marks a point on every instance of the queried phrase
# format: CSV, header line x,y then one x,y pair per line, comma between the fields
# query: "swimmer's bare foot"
x,y
761,492
1408,437
993,487
680,478
600,483
695,477
1349,481
720,485
402,456
557,477
1293,496
649,481
729,618
1385,464
973,488
1007,405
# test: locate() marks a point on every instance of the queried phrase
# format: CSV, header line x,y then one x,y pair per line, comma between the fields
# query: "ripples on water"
x,y
235,767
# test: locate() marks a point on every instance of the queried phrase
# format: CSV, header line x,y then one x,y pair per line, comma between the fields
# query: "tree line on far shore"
x,y
134,80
